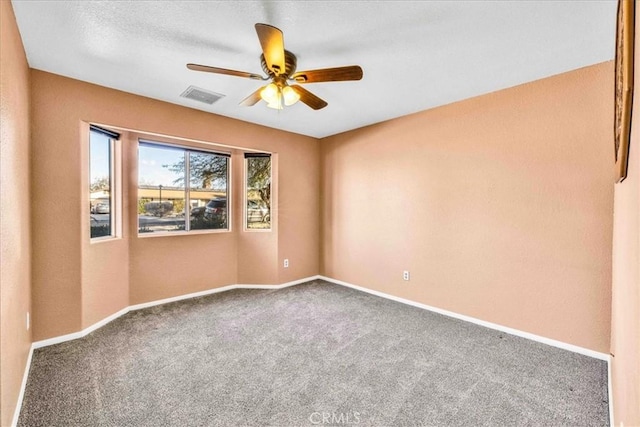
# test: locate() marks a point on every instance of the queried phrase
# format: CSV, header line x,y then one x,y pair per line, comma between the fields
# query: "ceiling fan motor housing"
x,y
290,63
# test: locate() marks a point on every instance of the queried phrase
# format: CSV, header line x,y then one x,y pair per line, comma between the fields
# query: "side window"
x,y
257,191
102,182
181,189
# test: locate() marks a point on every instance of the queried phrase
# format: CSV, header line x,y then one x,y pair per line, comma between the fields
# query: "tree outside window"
x,y
258,191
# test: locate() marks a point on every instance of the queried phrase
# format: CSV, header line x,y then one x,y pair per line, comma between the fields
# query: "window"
x,y
181,189
258,191
102,188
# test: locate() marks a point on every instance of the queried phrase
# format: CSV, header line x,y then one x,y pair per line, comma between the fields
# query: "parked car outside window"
x,y
101,208
197,212
256,211
216,208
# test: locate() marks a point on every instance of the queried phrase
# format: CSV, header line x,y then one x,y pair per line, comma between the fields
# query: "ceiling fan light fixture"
x,y
290,96
270,93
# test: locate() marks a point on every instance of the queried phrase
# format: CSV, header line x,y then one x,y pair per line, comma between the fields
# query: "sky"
x,y
151,162
99,155
150,165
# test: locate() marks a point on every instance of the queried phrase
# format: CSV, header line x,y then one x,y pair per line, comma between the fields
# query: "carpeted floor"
x,y
312,354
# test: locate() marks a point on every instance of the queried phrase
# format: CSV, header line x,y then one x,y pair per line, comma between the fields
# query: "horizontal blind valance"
x,y
250,155
103,131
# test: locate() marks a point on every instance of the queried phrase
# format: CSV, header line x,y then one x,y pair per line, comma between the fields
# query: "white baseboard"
x,y
114,316
82,333
181,297
23,387
217,290
610,390
86,331
516,332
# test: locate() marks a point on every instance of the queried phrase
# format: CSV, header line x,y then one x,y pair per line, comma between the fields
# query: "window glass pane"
x,y
100,183
258,195
161,189
208,191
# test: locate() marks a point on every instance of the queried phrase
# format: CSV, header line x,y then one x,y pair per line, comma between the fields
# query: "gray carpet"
x,y
312,354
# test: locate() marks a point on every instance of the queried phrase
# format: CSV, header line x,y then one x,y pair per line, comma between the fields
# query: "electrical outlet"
x,y
405,275
286,263
28,321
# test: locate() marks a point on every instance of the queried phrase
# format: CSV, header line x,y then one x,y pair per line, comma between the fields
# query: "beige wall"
x,y
259,261
104,264
625,330
15,244
294,245
77,283
500,207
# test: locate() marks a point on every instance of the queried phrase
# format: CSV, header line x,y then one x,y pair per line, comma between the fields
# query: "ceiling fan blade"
x,y
352,72
216,70
272,42
252,99
308,98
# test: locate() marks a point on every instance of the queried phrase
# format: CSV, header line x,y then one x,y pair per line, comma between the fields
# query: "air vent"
x,y
201,95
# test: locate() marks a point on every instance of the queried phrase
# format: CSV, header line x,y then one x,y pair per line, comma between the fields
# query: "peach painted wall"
x,y
625,328
15,207
298,201
500,206
77,283
104,264
259,260
163,267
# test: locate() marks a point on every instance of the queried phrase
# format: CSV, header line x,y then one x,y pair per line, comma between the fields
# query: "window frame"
x,y
245,214
115,184
187,189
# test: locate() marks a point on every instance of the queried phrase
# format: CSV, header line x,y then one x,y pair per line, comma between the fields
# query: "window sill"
x,y
103,239
180,233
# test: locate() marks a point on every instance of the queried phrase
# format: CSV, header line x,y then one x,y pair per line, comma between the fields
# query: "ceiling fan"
x,y
280,66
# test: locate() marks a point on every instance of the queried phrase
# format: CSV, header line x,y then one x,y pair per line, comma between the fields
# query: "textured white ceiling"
x,y
415,54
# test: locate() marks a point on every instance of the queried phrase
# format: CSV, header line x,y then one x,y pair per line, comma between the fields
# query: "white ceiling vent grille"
x,y
201,95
